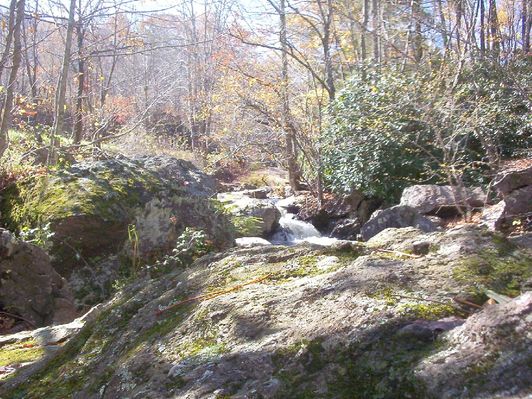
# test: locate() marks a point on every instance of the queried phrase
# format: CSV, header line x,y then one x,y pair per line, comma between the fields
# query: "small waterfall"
x,y
293,231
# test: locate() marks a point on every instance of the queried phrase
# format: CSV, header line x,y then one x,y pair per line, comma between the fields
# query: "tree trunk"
x,y
290,147
78,125
375,26
363,34
443,26
17,57
493,22
60,95
9,37
418,38
526,23
329,72
482,28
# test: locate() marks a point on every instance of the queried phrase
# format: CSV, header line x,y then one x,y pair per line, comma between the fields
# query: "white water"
x,y
294,231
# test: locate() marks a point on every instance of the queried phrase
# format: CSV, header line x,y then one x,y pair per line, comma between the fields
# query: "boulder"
x,y
252,217
340,216
515,206
442,200
273,322
102,208
90,206
488,356
510,180
396,216
346,229
29,285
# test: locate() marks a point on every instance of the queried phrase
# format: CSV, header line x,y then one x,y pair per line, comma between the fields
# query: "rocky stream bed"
x,y
413,312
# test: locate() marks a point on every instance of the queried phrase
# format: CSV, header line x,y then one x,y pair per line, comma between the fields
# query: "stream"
x,y
293,231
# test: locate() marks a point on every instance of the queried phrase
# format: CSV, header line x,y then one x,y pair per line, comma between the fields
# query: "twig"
x,y
212,295
18,317
465,302
420,299
433,300
398,253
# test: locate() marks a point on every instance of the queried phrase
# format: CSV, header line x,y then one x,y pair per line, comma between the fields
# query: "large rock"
x,y
510,180
340,216
433,199
137,207
516,206
252,217
278,322
346,229
396,216
493,346
29,285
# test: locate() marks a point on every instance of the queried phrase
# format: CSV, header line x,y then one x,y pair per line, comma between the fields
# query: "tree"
x,y
17,57
60,95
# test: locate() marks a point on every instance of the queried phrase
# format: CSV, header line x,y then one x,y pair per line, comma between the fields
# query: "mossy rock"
x,y
90,206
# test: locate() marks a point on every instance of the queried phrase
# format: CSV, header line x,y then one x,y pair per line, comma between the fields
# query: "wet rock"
x,y
421,248
425,330
522,240
247,242
252,217
346,229
338,214
442,200
396,216
29,285
258,193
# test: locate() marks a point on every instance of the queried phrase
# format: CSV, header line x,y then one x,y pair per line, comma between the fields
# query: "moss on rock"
x,y
501,272
20,352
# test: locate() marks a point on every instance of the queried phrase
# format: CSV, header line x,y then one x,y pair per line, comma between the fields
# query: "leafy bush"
x,y
376,136
395,129
40,236
190,245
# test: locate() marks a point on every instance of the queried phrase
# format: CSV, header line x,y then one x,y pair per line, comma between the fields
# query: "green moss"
x,y
426,311
20,352
247,226
386,295
105,192
207,346
175,383
70,370
379,364
294,380
62,376
501,273
301,266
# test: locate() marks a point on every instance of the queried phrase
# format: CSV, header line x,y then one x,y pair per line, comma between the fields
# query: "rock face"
x,y
515,188
252,217
491,340
396,216
511,180
95,208
281,322
340,216
29,285
442,200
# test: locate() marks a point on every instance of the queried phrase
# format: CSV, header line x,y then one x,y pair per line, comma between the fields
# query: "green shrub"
x,y
394,128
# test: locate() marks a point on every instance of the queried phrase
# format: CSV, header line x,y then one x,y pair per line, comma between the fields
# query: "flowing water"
x,y
293,231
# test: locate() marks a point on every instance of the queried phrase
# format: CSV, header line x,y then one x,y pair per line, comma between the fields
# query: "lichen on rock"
x,y
91,207
288,322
